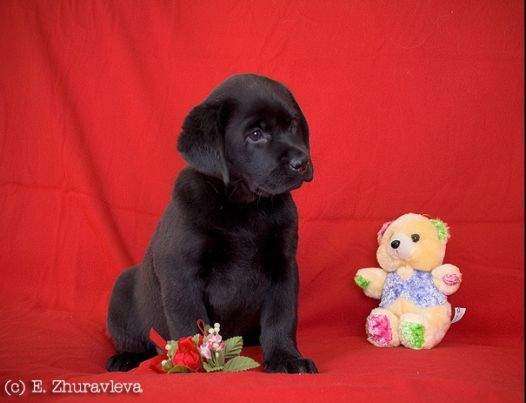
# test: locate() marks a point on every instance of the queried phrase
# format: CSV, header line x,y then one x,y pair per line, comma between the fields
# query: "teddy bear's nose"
x,y
395,244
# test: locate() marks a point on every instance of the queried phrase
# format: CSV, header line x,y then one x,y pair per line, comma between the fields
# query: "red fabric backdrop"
x,y
413,106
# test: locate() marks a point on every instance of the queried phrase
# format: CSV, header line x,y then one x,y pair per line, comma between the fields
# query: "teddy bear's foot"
x,y
412,331
381,327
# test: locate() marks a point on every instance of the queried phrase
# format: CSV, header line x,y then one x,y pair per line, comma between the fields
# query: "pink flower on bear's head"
x,y
382,230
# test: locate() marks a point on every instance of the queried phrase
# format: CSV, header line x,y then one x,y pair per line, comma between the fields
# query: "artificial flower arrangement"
x,y
202,352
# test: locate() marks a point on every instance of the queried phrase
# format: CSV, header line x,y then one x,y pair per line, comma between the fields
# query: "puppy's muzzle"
x,y
300,164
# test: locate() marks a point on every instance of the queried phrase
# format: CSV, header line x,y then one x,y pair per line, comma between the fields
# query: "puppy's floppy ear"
x,y
202,141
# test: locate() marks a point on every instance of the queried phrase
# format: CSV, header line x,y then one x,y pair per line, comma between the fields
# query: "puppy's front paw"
x,y
290,365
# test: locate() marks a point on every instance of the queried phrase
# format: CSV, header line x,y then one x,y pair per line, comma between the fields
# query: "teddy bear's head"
x,y
412,240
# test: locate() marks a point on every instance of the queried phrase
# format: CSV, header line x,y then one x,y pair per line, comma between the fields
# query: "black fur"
x,y
225,248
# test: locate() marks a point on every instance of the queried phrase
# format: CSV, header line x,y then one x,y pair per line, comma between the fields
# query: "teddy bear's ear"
x,y
381,233
442,229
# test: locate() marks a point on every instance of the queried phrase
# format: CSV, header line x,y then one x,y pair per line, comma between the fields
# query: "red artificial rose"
x,y
187,355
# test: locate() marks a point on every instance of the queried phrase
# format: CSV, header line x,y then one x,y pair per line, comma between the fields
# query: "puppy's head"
x,y
250,132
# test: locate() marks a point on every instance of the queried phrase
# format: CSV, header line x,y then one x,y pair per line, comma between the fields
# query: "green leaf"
x,y
212,362
209,368
233,346
177,369
195,339
220,358
167,365
240,363
173,345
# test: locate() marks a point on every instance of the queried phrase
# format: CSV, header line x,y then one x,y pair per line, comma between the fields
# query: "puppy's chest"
x,y
239,253
239,238
237,262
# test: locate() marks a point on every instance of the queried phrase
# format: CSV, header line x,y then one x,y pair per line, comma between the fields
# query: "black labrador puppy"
x,y
225,248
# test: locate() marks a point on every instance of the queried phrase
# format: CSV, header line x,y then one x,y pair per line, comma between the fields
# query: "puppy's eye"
x,y
415,237
255,135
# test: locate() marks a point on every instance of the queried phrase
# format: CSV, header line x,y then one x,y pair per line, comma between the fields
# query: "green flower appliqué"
x,y
442,229
413,333
361,281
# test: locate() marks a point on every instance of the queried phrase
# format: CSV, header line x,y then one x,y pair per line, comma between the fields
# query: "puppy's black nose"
x,y
395,244
299,164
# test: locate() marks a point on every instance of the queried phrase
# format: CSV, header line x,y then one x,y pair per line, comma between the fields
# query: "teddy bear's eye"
x,y
415,237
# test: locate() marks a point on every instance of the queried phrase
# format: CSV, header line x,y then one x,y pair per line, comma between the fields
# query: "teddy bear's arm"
x,y
447,278
371,280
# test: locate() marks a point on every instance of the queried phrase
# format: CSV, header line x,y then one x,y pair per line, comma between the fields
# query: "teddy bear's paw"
x,y
412,331
381,328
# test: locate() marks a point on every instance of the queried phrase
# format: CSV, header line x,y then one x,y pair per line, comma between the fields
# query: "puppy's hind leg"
x,y
125,361
126,327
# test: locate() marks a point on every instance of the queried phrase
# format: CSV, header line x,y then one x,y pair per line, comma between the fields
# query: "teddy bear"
x,y
412,284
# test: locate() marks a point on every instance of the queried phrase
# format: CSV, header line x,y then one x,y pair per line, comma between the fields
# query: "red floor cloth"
x,y
413,106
